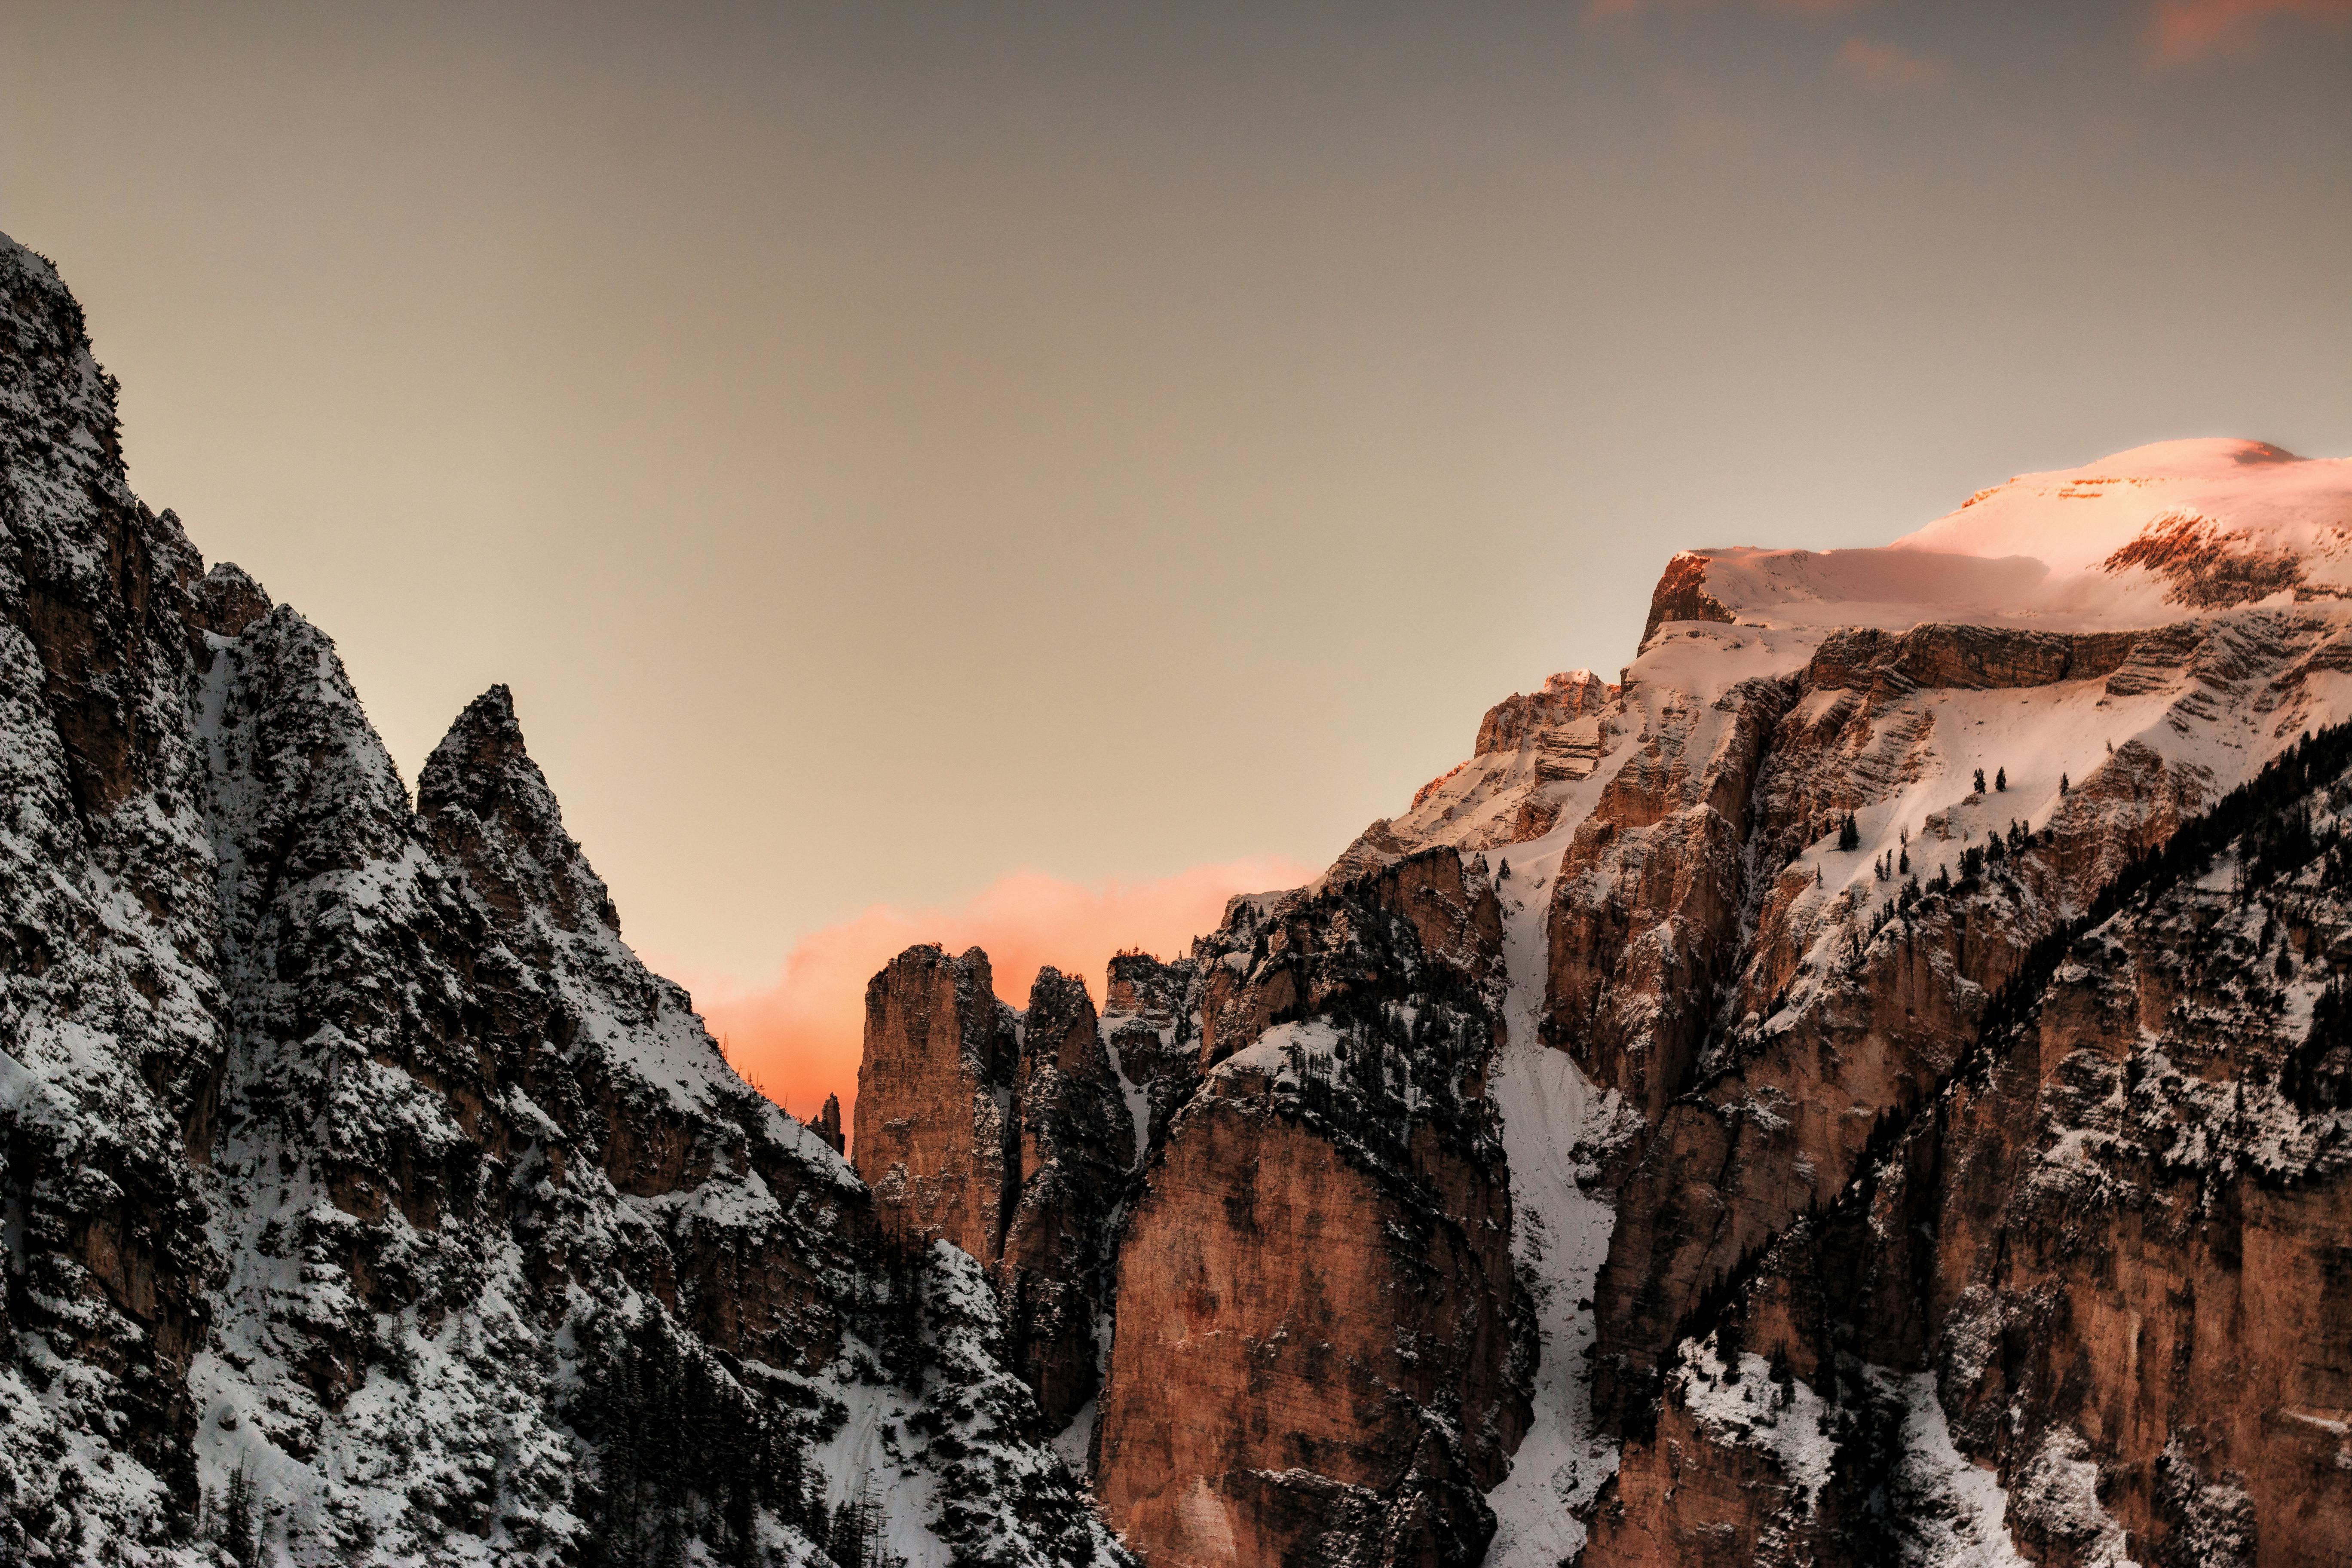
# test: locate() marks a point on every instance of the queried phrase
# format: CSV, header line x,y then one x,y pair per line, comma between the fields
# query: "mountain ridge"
x,y
1491,1199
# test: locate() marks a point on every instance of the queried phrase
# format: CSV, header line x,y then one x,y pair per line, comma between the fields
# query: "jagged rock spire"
x,y
489,807
226,600
827,1125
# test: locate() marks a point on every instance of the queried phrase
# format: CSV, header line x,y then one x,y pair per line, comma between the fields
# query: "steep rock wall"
x,y
1312,1358
2085,1304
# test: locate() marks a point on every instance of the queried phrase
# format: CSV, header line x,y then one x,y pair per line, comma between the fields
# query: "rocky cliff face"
x,y
1312,1358
1005,1134
2083,1304
1839,802
938,1130
365,1199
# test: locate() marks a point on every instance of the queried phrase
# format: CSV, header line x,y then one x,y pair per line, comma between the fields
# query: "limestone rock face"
x,y
1311,1359
1510,723
1077,1144
1645,909
2083,1301
1006,1135
1682,596
937,1128
1829,1027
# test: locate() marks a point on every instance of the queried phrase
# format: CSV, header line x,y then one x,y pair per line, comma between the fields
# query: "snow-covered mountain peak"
x,y
2141,539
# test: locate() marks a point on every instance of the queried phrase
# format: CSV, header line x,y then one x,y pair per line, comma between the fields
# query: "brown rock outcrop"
x,y
1644,924
1681,596
827,1125
936,1129
1508,724
1006,1135
1961,658
1076,1141
1311,1361
2102,1260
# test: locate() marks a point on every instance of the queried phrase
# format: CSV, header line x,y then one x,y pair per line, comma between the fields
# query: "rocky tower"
x,y
1005,1134
937,1124
1076,1144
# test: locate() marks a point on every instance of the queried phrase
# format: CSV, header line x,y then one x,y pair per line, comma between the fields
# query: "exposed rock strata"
x,y
2101,1260
937,1124
1311,1361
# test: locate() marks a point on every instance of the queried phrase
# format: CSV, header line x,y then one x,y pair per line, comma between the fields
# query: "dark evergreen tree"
x,y
240,1523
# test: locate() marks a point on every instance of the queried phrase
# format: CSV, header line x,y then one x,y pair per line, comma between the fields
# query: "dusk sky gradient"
x,y
1031,468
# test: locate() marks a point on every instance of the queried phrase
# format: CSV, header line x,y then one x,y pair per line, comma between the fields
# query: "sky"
x,y
1019,474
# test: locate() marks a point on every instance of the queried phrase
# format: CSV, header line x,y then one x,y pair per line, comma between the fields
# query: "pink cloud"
x,y
2182,31
798,1035
1883,68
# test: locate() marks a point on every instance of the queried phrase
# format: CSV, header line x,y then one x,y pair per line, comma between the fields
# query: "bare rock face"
x,y
1076,1143
937,1131
1682,596
1311,1358
1837,1018
1513,722
1005,1135
1644,924
2083,1302
827,1125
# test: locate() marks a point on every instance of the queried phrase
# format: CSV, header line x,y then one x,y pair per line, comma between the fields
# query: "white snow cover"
x,y
2058,1489
1953,1512
2040,550
1555,1122
1790,1421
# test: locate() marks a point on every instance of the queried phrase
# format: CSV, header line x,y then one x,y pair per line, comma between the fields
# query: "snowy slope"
x,y
2134,539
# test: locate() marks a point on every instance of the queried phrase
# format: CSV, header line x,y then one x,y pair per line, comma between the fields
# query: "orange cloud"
x,y
798,1035
1883,68
2182,31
